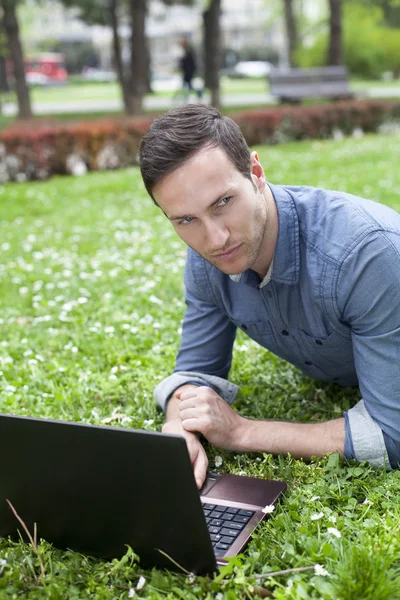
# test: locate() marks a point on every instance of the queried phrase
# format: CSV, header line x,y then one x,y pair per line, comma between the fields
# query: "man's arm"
x,y
205,352
368,291
201,409
173,424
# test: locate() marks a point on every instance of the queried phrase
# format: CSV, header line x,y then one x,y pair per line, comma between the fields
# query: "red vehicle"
x,y
46,68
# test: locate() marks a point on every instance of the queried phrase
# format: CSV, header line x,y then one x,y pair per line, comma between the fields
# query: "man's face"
x,y
220,213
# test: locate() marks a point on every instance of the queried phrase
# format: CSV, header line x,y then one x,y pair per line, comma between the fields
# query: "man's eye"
x,y
186,221
224,201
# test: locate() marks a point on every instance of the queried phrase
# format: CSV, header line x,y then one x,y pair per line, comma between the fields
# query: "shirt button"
x,y
284,332
318,342
308,362
244,326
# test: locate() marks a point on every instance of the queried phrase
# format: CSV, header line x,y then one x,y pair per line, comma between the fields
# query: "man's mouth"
x,y
228,254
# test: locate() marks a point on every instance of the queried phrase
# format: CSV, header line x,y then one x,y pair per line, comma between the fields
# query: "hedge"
x,y
29,151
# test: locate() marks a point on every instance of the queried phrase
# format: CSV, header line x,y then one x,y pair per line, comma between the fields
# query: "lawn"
x,y
91,304
89,91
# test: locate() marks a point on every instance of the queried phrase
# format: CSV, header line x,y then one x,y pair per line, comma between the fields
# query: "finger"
x,y
186,393
200,467
189,413
194,402
194,425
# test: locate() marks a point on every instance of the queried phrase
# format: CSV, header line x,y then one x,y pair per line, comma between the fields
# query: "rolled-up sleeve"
x,y
205,353
368,300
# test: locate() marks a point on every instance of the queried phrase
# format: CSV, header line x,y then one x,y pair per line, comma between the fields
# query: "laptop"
x,y
98,489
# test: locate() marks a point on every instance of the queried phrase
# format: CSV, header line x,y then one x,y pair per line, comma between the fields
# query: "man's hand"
x,y
203,410
197,453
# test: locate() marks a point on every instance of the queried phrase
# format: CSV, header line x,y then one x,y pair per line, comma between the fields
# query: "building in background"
x,y
252,30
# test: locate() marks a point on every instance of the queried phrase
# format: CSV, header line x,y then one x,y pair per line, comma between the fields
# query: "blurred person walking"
x,y
188,67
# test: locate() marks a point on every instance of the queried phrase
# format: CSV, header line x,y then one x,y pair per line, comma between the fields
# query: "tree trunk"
x,y
119,66
212,50
139,61
291,32
335,50
14,43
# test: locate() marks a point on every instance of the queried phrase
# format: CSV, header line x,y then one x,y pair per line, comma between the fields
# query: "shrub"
x,y
31,152
370,48
285,123
28,152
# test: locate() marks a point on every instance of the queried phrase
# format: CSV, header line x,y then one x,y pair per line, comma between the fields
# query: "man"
x,y
188,67
312,275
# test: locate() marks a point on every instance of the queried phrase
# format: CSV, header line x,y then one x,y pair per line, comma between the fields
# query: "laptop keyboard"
x,y
225,523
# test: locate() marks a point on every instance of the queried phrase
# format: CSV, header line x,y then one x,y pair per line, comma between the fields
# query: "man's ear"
x,y
257,171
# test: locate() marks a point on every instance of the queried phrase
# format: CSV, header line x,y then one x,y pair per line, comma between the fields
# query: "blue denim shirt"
x,y
331,308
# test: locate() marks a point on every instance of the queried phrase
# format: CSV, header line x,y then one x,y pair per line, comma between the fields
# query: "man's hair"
x,y
176,136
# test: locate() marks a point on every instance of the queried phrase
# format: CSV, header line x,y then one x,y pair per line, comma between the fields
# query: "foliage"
x,y
370,47
32,152
91,301
285,123
39,152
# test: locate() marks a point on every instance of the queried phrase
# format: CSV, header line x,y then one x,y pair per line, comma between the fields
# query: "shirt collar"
x,y
286,262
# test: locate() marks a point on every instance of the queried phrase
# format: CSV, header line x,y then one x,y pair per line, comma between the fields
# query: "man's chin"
x,y
229,269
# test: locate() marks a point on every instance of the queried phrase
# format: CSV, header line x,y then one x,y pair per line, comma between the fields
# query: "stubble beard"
x,y
252,247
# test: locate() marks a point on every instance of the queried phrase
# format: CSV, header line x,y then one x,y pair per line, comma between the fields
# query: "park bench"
x,y
292,85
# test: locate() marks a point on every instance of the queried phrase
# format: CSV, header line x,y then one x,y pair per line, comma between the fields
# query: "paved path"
x,y
162,103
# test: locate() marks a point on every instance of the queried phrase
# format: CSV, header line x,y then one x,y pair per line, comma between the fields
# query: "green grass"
x,y
88,91
90,306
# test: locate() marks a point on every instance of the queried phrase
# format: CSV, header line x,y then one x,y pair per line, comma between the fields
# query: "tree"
x,y
133,79
11,28
212,49
291,31
335,44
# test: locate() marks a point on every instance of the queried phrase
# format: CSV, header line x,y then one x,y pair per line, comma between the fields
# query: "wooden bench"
x,y
292,85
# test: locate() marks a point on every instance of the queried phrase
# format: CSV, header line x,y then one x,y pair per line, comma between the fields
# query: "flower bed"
x,y
30,152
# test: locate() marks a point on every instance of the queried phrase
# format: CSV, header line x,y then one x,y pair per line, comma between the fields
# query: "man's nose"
x,y
217,235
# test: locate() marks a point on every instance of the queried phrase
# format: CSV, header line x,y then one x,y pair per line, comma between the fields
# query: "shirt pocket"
x,y
259,331
332,350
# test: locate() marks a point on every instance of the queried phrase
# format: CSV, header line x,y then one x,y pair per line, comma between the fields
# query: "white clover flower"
x,y
113,378
23,291
109,329
191,577
316,516
114,369
74,350
155,300
2,562
32,362
268,509
82,300
320,570
314,498
131,593
332,518
11,388
141,582
28,352
218,461
334,531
